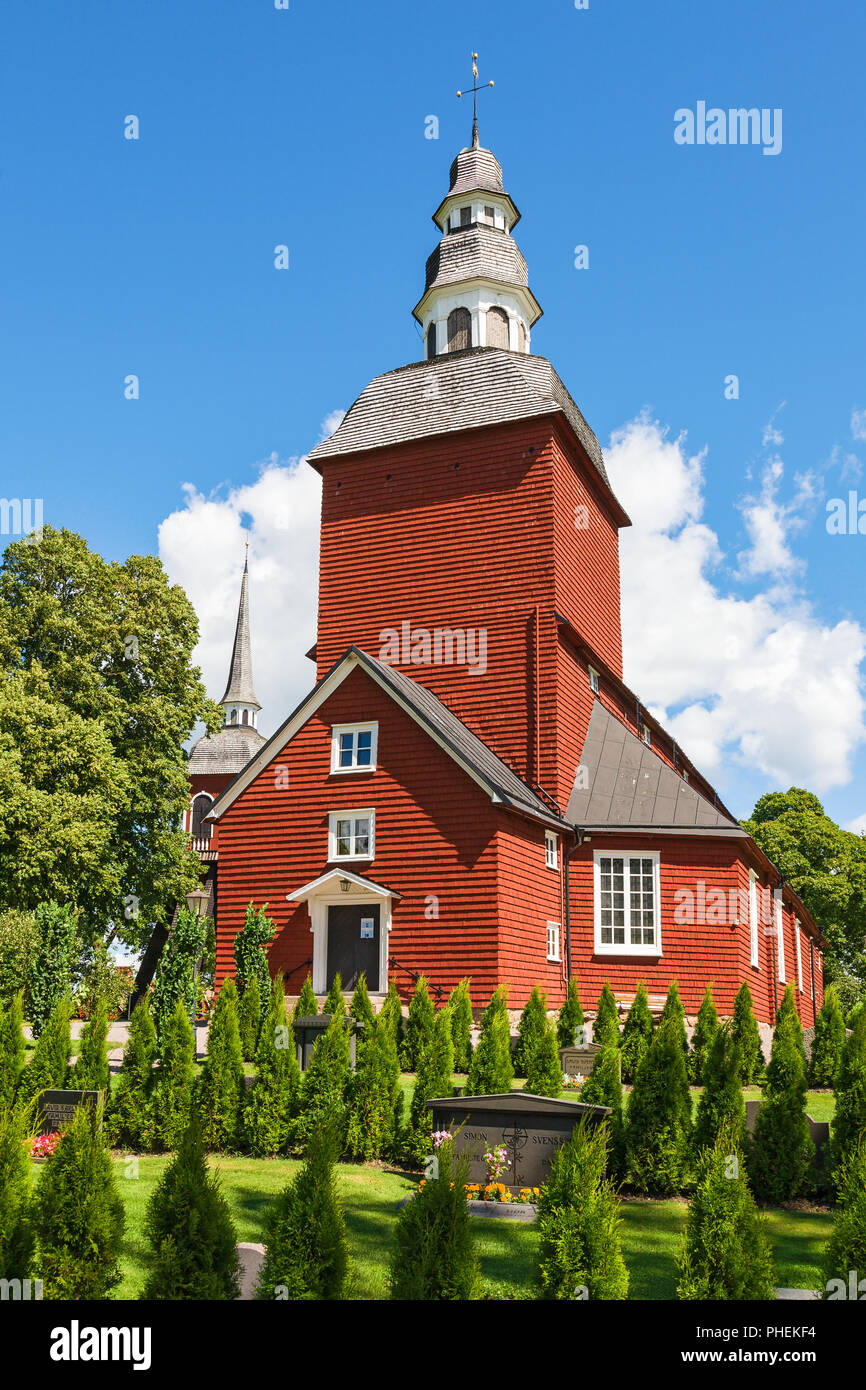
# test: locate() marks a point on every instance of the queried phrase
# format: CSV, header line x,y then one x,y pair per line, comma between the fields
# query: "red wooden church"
x,y
470,788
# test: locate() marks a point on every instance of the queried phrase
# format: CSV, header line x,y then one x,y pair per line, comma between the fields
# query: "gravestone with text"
x,y
578,1061
307,1032
531,1128
57,1108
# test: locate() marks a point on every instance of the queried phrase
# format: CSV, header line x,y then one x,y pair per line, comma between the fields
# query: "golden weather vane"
x,y
475,89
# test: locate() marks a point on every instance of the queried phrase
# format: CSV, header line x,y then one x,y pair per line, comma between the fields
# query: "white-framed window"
x,y
593,680
354,747
553,941
754,938
627,903
351,834
685,774
780,939
551,849
799,956
647,737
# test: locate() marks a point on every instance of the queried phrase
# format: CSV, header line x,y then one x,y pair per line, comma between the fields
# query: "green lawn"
x,y
651,1230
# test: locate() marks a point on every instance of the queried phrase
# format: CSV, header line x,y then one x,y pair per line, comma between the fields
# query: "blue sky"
x,y
259,127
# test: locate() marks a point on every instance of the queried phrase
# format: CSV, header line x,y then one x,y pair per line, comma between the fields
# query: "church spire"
x,y
239,701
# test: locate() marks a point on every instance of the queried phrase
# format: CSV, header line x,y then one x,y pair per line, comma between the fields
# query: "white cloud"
x,y
332,422
754,680
858,424
857,825
202,547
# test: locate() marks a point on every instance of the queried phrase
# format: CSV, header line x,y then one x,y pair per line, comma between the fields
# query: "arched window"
x,y
459,330
521,337
497,328
200,829
431,341
234,718
246,718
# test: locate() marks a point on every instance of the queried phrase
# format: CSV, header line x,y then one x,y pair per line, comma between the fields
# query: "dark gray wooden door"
x,y
351,946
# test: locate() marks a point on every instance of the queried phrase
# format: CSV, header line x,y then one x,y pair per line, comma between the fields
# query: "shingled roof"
x,y
629,786
457,391
477,252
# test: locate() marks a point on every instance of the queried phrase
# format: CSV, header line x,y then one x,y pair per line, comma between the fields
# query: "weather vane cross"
x,y
475,90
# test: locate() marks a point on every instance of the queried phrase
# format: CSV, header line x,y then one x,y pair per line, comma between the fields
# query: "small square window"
x,y
593,680
685,774
553,941
488,214
354,747
351,834
551,849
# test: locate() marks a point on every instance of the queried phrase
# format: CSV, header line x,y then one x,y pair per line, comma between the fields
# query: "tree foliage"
x,y
272,1102
746,1035
460,1004
726,1252
706,1027
127,1110
175,973
636,1034
220,1088
491,1071
171,1098
782,1151
659,1116
829,1040
605,1029
250,952
419,1026
90,1070
570,1020
849,1121
305,1230
434,1257
579,1248
51,973
13,1050
531,1028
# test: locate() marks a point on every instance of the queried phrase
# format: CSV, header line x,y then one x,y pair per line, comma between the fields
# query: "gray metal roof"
x,y
228,750
474,251
628,785
457,391
240,682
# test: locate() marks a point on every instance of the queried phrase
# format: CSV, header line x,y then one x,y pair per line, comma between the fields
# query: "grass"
x,y
651,1230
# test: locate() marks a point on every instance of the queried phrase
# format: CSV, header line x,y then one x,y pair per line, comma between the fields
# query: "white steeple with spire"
x,y
239,701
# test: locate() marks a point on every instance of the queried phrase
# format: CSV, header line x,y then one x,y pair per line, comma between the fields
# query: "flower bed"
x,y
43,1145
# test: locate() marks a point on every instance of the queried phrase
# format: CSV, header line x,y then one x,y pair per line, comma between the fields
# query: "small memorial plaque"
x,y
57,1108
532,1128
578,1061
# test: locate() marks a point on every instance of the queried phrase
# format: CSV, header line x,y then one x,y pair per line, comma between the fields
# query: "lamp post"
x,y
198,902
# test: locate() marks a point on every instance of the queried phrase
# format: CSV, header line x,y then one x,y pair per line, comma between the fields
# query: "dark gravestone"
x,y
819,1132
578,1061
532,1128
57,1108
309,1030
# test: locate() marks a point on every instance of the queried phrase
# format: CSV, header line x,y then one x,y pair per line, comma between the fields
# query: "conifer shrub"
x,y
375,1095
636,1034
175,973
579,1247
659,1117
16,1225
78,1215
51,970
829,1040
846,1249
726,1252
419,1027
250,1018
127,1108
90,1070
782,1153
171,1097
272,1102
305,1229
220,1089
746,1035
189,1229
848,1126
434,1079
361,1010
49,1065
530,1030
434,1257
721,1105
673,1012
603,1086
335,1003
251,952
460,1004
544,1073
570,1020
491,1071
393,1010
605,1029
13,1050
706,1027
306,1004
325,1088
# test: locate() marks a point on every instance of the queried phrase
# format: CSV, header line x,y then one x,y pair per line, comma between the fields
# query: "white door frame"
x,y
320,895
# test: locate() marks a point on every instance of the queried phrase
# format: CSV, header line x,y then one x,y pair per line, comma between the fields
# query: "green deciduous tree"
x,y
98,699
19,943
637,1034
460,1004
78,1215
491,1071
189,1229
419,1026
659,1116
434,1257
726,1252
305,1229
579,1248
127,1110
829,1040
530,1030
706,1027
782,1151
746,1035
605,1029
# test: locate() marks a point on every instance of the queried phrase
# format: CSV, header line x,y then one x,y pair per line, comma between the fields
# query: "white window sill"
x,y
626,950
341,771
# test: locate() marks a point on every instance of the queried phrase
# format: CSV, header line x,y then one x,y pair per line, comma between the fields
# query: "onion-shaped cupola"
x,y
477,285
